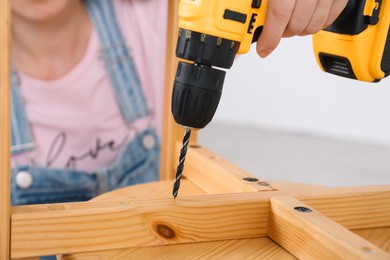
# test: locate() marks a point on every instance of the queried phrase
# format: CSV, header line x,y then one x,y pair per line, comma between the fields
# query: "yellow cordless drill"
x,y
212,32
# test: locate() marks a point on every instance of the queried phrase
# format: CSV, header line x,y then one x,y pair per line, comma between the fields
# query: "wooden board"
x,y
5,132
89,226
216,175
255,248
378,236
308,234
171,132
154,190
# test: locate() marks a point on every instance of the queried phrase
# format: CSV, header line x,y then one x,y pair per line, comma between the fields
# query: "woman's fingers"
x,y
300,18
319,18
278,15
287,18
337,7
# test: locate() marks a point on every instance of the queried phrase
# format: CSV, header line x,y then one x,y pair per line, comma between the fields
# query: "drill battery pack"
x,y
357,44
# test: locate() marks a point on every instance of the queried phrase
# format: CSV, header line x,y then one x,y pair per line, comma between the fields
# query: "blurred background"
x,y
283,118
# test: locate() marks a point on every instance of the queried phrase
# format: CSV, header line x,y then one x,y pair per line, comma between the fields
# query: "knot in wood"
x,y
165,231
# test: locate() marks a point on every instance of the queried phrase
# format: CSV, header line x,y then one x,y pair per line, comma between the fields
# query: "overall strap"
x,y
118,60
21,137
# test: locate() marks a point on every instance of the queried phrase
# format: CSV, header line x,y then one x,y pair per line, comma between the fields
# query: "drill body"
x,y
228,20
212,32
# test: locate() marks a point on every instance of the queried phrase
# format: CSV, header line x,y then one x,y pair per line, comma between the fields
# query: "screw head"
x,y
250,179
303,209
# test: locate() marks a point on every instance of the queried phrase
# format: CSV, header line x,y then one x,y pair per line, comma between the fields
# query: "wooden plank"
x,y
171,132
216,175
70,228
378,236
360,211
90,226
308,234
163,189
255,248
155,190
5,125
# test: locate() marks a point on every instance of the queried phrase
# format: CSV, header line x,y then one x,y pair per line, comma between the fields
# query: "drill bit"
x,y
180,166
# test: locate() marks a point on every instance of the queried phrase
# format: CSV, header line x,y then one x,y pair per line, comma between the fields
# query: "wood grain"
x,y
90,226
78,228
368,211
163,190
154,190
5,124
311,235
255,248
378,236
216,175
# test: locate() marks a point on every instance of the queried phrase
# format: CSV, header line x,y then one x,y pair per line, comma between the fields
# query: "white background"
x,y
289,92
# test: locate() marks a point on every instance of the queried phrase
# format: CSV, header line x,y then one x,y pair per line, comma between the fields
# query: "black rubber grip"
x,y
196,94
351,20
385,64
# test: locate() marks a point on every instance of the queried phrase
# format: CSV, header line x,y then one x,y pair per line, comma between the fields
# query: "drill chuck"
x,y
198,86
196,94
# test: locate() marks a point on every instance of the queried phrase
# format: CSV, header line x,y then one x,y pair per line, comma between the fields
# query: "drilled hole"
x,y
125,203
56,207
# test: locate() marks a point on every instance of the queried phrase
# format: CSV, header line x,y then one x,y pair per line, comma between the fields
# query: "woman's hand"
x,y
287,18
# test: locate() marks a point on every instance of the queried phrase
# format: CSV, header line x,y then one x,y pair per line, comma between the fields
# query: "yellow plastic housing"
x,y
364,50
207,17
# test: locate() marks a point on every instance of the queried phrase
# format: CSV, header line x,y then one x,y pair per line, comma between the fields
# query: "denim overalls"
x,y
139,161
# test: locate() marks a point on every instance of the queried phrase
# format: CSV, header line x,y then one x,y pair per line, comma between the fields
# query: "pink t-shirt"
x,y
76,116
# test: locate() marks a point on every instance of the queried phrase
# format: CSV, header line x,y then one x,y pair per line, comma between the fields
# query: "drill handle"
x,y
255,23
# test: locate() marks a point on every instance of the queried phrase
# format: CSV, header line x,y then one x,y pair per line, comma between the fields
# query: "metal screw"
x,y
368,250
250,179
303,209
